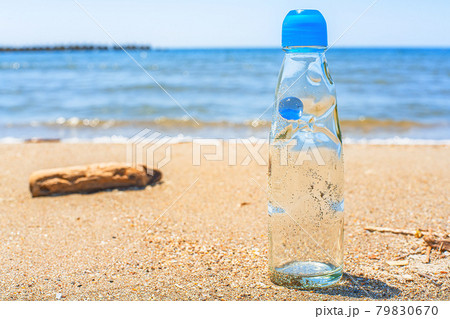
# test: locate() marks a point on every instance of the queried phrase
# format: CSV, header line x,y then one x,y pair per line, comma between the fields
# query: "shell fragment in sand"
x,y
397,262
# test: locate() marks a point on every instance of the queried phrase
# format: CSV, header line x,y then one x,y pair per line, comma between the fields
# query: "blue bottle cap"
x,y
304,28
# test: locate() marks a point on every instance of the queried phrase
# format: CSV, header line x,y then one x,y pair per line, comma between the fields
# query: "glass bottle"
x,y
306,170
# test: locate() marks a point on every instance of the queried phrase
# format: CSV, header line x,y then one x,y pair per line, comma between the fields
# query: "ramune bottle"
x,y
306,170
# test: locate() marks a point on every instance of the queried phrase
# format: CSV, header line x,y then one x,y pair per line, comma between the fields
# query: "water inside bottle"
x,y
306,212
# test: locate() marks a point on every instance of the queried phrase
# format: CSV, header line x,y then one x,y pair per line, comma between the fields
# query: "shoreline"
x,y
359,131
396,140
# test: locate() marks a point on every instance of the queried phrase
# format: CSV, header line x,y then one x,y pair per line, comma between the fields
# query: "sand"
x,y
201,234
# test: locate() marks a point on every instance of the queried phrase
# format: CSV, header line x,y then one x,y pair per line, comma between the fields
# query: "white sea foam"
x,y
180,138
396,141
11,140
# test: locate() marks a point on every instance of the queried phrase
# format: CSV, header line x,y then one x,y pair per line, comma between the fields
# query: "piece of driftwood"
x,y
429,278
438,243
391,230
427,256
90,178
42,140
417,233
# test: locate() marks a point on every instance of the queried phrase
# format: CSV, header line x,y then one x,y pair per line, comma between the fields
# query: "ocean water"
x,y
383,94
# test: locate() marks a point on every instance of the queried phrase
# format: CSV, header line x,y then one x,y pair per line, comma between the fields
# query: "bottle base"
x,y
306,275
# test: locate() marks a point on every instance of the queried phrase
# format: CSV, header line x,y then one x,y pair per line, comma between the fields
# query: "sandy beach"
x,y
201,233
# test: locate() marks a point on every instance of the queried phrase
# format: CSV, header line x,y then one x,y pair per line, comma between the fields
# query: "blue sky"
x,y
231,23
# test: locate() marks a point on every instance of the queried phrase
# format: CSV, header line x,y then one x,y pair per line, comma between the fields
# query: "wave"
x,y
369,124
185,138
396,141
364,124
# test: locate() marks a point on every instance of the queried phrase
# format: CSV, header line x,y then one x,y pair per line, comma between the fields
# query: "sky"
x,y
230,23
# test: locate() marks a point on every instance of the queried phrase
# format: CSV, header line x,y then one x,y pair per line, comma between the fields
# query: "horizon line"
x,y
149,47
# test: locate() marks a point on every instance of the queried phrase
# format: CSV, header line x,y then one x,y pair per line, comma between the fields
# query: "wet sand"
x,y
201,233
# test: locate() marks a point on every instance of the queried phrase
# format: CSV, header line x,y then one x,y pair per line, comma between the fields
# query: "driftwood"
x,y
438,243
391,230
429,278
90,178
428,237
42,140
417,233
427,257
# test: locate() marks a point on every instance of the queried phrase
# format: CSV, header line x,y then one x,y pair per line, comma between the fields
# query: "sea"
x,y
385,95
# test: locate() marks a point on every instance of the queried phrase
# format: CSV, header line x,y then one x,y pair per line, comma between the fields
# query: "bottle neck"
x,y
305,49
